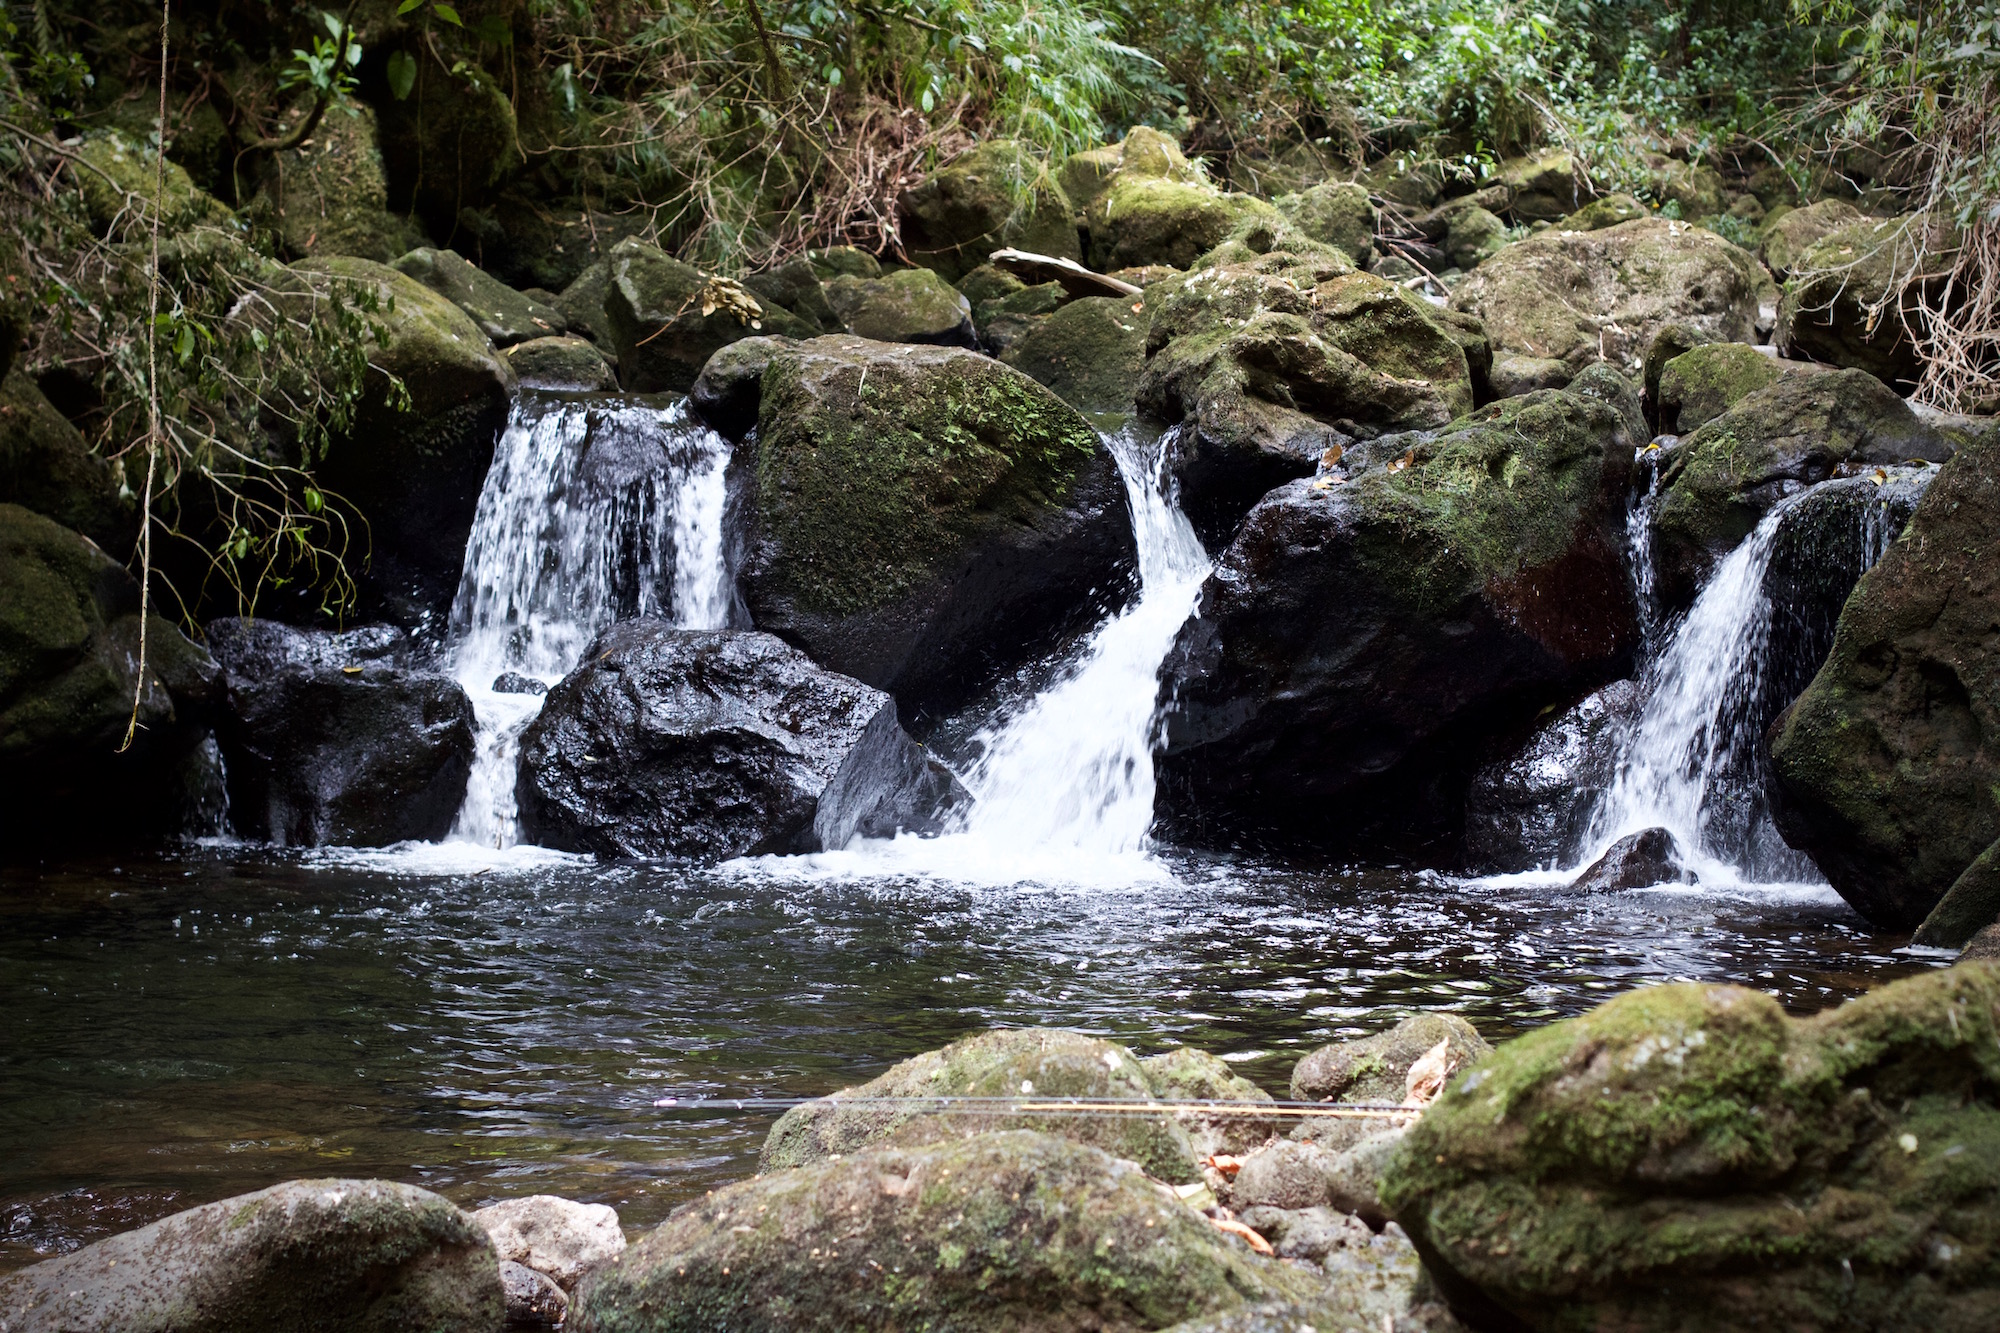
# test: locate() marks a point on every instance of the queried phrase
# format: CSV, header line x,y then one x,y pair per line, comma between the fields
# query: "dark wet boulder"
x,y
1797,230
796,286
329,741
997,195
504,315
532,1297
1533,808
1830,308
1556,302
665,323
561,363
1377,1068
1268,363
731,385
1366,632
46,466
1155,207
1005,1062
450,145
996,1232
69,664
1969,906
1090,352
314,1256
1688,1149
911,305
581,304
925,519
1335,213
1883,770
708,744
1719,482
1636,861
413,463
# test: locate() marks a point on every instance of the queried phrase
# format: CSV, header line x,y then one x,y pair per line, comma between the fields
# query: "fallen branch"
x,y
1075,278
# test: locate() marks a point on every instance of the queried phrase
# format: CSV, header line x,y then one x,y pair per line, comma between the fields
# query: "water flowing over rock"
x,y
709,744
1364,631
1885,766
925,519
329,741
1690,1148
315,1256
1636,861
1533,808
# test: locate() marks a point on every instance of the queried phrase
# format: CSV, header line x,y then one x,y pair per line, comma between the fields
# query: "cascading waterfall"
x,y
596,508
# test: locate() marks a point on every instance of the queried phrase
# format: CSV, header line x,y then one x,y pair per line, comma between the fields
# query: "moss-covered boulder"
x,y
925,518
843,261
1335,213
1006,1062
329,196
1790,234
1377,1068
1722,479
1541,187
582,305
316,1256
1006,309
504,315
69,662
796,286
46,466
449,144
1186,1074
1829,311
1156,207
667,318
1703,382
561,363
1270,362
527,240
997,195
1090,352
1969,906
1887,766
997,1232
1466,234
1565,298
1694,190
911,305
1609,211
414,461
1690,1149
1366,629
117,177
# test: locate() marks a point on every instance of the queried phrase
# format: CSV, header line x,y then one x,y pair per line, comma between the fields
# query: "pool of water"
x,y
184,1028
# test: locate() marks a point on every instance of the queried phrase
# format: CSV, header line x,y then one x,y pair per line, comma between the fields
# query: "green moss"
x,y
1144,218
117,179
1701,384
1090,352
1829,308
913,305
1336,213
1609,211
46,466
993,196
329,196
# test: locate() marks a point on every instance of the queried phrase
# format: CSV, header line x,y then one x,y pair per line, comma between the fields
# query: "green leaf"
x,y
402,74
314,500
407,6
448,14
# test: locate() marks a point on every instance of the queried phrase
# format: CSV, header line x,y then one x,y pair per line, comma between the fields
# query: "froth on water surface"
x,y
499,1023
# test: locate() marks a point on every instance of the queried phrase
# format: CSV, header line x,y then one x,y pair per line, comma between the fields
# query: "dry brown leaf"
x,y
1332,455
1429,1074
1223,1163
1243,1233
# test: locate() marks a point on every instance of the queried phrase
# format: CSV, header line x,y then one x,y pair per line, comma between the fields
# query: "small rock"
x,y
1636,861
532,1297
502,314
1306,1233
1354,1176
1377,1068
1287,1175
552,1235
1983,947
561,363
513,682
912,305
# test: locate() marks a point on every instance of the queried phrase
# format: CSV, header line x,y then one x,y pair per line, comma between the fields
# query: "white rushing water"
x,y
595,509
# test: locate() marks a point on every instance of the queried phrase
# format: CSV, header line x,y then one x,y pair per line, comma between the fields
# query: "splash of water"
x,y
596,509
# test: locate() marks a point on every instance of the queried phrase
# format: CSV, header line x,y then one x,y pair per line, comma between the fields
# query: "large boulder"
x,y
665,323
1335,213
69,665
1690,1149
1700,384
1557,302
1796,230
561,363
1609,211
312,1256
47,466
121,179
1852,296
1089,352
450,144
924,519
997,195
1719,482
329,196
1541,187
911,305
504,315
1268,363
413,461
1366,630
996,1232
1155,207
709,744
1532,809
1884,770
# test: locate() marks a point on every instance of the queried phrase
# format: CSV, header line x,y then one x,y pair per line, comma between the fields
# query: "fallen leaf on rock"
x,y
1243,1233
1428,1075
1223,1163
1409,457
1332,455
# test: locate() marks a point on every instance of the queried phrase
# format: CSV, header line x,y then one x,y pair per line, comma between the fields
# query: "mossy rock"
x,y
926,517
1970,905
582,305
1697,191
1159,220
1335,213
329,195
1000,1231
1578,297
527,241
1376,1069
1669,341
843,261
653,304
1885,769
796,286
504,315
46,466
912,305
1090,352
117,179
316,1256
1703,382
1005,1062
1541,187
995,196
560,363
1365,627
1689,1149
1722,479
1789,235
1470,235
1004,308
731,385
1835,283
1609,211
446,146
1186,1074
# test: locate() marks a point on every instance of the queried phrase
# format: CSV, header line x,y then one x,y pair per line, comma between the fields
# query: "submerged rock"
x,y
504,315
709,744
1688,1149
1532,809
310,1256
996,1232
328,742
911,305
1366,631
1883,769
1636,861
552,1235
997,195
925,519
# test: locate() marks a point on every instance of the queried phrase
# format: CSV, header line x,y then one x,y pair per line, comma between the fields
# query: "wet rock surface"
x,y
1533,808
532,1298
329,740
1636,861
46,466
709,744
653,311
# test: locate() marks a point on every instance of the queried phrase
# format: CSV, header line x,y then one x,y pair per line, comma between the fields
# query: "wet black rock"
x,y
513,682
328,740
1636,861
532,1298
1532,809
704,745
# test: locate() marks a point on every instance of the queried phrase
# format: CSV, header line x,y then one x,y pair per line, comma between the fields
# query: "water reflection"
x,y
185,1029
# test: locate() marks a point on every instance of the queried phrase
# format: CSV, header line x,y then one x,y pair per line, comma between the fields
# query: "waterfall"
x,y
596,508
